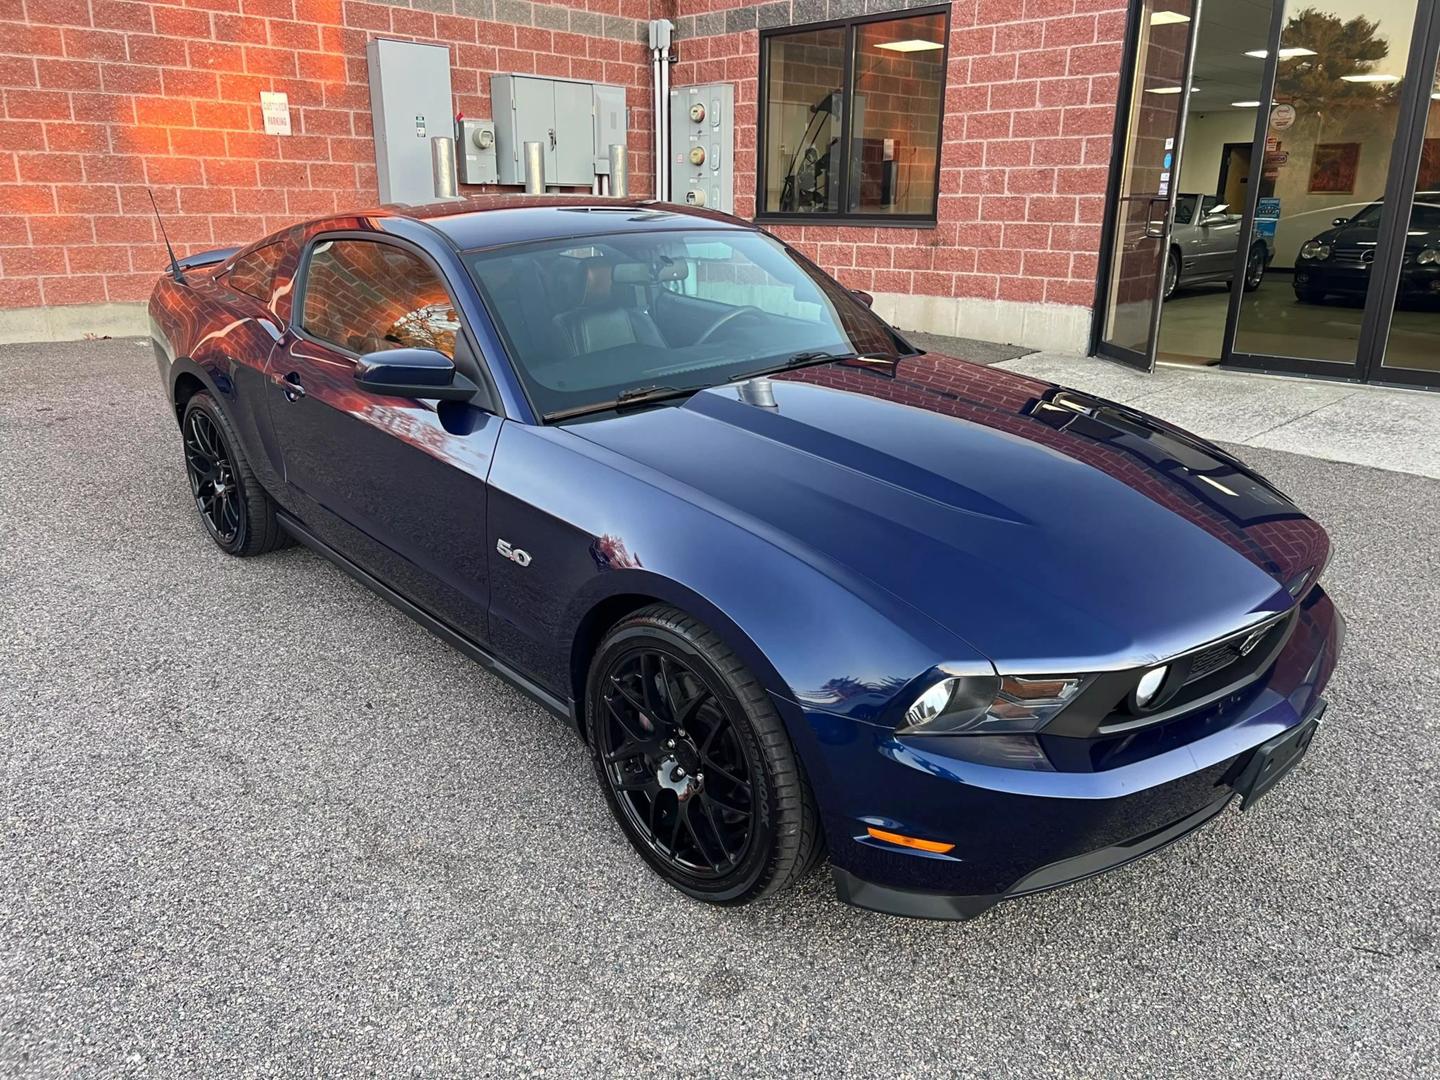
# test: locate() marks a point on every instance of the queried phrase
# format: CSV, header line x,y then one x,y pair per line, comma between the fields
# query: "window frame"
x,y
845,217
469,359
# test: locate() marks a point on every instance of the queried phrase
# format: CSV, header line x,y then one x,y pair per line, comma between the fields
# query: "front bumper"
x,y
1017,831
1354,279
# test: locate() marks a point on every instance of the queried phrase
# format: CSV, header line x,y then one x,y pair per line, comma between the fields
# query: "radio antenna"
x,y
174,262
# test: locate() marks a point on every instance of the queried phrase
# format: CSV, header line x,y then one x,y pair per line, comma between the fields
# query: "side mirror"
x,y
1340,221
864,297
427,374
1217,215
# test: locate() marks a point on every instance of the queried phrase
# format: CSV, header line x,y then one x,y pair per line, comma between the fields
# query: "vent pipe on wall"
x,y
660,31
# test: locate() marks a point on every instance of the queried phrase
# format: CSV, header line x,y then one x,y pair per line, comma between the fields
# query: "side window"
x,y
254,272
366,296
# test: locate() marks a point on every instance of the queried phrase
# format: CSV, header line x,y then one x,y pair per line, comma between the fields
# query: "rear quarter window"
x,y
254,272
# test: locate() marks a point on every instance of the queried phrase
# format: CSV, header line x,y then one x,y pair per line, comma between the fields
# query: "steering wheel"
x,y
729,316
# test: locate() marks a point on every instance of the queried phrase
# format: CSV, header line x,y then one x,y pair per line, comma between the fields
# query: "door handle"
x,y
290,384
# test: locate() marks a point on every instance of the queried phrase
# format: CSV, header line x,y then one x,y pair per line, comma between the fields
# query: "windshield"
x,y
587,321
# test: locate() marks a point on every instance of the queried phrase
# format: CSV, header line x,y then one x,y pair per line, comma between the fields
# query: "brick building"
x,y
103,98
1013,170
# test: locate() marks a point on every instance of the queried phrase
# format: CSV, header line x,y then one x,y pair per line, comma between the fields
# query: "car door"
x,y
397,485
1218,237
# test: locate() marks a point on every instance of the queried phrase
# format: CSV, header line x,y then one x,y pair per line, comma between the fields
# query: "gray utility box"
x,y
410,102
565,116
475,152
702,146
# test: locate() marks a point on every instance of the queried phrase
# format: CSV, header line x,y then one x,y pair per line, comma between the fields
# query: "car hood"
x,y
1346,238
1048,529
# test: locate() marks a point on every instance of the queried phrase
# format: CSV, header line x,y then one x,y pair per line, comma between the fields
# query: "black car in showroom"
x,y
1338,261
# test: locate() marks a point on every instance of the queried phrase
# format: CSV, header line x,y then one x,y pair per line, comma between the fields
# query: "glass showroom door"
x,y
1145,204
1333,187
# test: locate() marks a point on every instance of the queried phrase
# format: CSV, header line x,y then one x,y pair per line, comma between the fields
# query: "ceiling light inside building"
x,y
1371,77
1167,18
1288,53
910,45
1169,90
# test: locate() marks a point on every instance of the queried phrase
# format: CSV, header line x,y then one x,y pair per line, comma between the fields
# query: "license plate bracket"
x,y
1273,759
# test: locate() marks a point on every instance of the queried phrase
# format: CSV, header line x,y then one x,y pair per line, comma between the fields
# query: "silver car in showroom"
x,y
1203,241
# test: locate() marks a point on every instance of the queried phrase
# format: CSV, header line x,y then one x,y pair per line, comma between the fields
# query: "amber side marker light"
x,y
909,841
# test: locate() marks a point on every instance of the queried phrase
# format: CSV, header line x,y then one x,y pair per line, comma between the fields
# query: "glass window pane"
x,y
252,274
1137,248
1327,159
1415,333
895,136
367,297
805,75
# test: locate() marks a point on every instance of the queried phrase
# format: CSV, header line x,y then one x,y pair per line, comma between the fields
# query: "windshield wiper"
x,y
796,360
636,395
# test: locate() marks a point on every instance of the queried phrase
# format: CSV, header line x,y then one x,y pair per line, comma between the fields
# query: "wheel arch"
x,y
600,613
187,379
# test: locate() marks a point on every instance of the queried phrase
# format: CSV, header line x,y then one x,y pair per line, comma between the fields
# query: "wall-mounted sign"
x,y
275,111
1282,117
420,127
1267,214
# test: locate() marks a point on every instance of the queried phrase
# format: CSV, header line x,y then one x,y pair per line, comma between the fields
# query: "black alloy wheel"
x,y
238,513
695,763
212,480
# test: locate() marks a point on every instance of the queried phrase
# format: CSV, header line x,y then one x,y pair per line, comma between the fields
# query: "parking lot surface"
x,y
254,821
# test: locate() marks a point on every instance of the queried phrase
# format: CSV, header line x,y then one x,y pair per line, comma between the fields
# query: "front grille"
x,y
1212,660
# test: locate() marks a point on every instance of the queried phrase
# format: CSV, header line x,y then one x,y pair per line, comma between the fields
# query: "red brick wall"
x,y
1029,111
104,97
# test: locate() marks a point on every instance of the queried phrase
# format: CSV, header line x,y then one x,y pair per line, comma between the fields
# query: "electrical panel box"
x,y
702,146
564,117
475,152
410,103
611,124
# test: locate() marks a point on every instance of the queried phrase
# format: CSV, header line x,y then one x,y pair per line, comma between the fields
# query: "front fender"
x,y
598,528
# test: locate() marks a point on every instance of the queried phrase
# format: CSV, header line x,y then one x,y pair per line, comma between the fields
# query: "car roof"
x,y
486,221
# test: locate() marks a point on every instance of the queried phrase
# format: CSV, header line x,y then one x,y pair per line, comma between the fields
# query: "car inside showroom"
x,y
1303,228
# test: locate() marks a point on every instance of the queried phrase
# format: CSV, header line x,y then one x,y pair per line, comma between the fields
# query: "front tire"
x,y
695,763
236,511
1255,268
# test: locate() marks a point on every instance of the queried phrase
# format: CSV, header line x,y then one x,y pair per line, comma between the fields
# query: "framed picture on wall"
x,y
1332,169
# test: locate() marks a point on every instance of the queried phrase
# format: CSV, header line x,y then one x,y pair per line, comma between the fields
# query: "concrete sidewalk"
x,y
1382,427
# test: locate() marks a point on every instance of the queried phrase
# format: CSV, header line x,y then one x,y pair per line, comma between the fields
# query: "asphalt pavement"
x,y
253,821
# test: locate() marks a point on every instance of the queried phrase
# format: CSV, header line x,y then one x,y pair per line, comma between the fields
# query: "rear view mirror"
x,y
1340,221
427,374
863,296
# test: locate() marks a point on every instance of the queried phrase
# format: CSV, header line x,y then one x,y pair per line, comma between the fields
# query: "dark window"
x,y
254,272
366,296
878,158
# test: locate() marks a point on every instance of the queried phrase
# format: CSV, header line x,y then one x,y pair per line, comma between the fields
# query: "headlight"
x,y
1428,257
1313,249
984,704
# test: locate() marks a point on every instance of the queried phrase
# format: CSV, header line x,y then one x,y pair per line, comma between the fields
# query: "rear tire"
x,y
237,512
695,763
1172,275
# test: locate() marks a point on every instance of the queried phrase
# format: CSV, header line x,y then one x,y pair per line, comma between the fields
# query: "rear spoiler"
x,y
206,258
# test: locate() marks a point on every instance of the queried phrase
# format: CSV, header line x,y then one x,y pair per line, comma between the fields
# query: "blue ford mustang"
x,y
801,587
